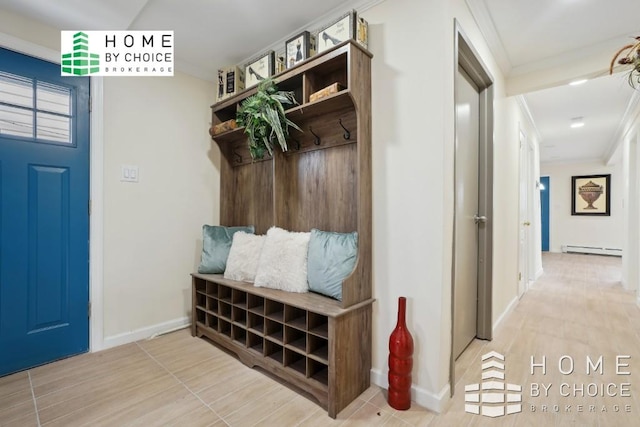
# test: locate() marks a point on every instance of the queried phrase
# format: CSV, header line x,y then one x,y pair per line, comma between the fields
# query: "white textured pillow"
x,y
283,261
244,255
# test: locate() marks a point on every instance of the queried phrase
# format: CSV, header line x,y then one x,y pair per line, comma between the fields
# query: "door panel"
x,y
44,222
466,208
545,189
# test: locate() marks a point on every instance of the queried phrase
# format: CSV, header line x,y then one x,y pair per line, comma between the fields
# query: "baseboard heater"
x,y
591,250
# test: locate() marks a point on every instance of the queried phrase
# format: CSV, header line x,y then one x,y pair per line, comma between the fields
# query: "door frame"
x,y
96,191
466,56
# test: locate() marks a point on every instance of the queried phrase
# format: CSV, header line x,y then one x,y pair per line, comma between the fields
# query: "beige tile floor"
x,y
577,308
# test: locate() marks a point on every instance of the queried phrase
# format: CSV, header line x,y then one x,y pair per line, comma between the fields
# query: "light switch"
x,y
129,173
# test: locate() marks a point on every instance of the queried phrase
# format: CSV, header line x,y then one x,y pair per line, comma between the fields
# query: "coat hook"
x,y
316,141
238,156
297,144
347,134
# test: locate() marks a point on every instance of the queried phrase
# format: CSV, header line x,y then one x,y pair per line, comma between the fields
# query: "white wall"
x,y
152,229
413,152
606,231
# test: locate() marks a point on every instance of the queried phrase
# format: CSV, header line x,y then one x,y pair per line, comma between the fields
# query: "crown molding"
x,y
485,23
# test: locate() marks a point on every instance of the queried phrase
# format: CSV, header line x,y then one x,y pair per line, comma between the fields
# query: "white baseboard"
x,y
424,398
506,312
144,333
539,273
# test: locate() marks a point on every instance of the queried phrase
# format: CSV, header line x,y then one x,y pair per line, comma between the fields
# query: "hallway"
x,y
579,309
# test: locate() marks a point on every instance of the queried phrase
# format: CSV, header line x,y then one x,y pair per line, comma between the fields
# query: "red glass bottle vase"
x,y
400,361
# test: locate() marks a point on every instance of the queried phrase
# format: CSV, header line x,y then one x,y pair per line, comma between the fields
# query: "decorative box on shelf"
x,y
324,92
223,127
348,26
230,82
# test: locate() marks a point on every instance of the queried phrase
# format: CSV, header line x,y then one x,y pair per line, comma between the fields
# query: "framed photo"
x,y
259,69
299,48
348,26
591,195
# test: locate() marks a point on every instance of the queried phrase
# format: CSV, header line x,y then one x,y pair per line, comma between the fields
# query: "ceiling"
x,y
523,35
208,34
527,36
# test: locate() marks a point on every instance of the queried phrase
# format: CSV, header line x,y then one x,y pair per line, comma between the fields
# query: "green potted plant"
x,y
631,56
264,119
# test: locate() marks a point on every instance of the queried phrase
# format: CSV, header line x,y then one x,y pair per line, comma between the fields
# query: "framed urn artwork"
x,y
591,195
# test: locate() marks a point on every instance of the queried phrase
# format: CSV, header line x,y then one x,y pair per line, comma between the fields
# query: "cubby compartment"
x,y
295,361
225,311
239,298
224,294
212,321
212,304
273,351
256,323
293,84
295,338
274,310
199,285
318,371
255,304
212,289
274,330
318,348
319,325
239,334
326,74
296,317
255,343
201,300
224,327
200,315
239,316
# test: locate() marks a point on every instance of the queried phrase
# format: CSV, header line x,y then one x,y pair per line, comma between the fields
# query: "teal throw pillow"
x,y
331,258
216,243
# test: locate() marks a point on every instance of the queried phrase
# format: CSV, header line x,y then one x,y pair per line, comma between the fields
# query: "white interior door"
x,y
465,290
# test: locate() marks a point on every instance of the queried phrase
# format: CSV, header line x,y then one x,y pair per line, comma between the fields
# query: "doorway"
x,y
545,191
44,219
473,172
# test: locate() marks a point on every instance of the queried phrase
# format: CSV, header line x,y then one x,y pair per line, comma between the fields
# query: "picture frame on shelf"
x,y
591,195
299,48
348,26
259,68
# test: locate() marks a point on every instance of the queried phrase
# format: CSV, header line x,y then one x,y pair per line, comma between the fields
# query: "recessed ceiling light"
x,y
577,82
577,122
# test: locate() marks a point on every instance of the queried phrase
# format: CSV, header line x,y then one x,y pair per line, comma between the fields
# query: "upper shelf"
x,y
291,73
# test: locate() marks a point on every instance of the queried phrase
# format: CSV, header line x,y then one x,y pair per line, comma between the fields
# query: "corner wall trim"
x,y
146,332
424,398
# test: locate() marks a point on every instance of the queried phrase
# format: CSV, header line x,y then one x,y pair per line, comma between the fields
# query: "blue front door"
x,y
44,218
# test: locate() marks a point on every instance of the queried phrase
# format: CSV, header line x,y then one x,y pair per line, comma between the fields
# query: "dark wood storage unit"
x,y
318,344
